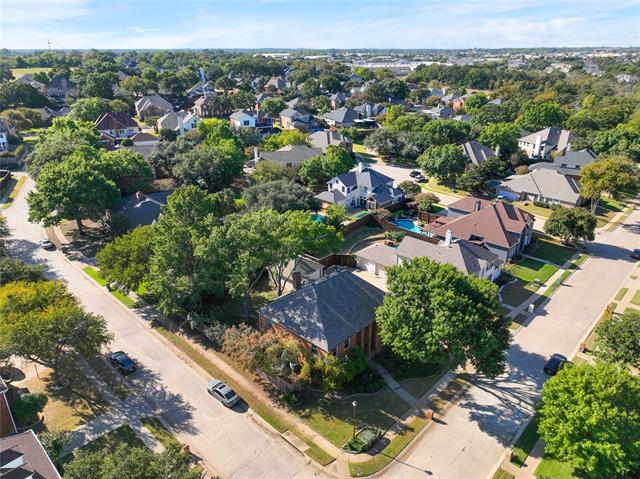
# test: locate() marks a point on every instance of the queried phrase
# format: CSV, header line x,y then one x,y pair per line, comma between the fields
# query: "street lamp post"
x,y
354,404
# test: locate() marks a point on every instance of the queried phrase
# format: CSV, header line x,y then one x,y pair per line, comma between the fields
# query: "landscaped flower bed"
x,y
362,441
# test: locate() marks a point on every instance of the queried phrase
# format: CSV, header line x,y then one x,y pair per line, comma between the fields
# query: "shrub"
x,y
331,373
215,332
394,236
127,142
383,214
168,134
409,188
27,406
522,170
426,201
20,150
540,204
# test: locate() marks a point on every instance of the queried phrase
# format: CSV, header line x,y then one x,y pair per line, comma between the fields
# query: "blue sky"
x,y
318,24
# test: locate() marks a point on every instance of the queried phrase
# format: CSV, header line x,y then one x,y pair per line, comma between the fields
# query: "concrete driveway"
x,y
228,440
471,438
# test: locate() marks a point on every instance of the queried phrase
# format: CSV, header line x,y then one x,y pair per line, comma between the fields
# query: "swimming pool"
x,y
409,225
318,218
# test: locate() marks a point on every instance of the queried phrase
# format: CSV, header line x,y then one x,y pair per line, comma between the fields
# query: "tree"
x,y
270,171
436,313
211,167
12,269
88,109
426,200
279,195
5,234
475,100
136,85
493,167
71,190
273,106
445,162
571,223
317,170
126,168
590,417
125,260
410,188
181,274
53,443
613,174
43,322
503,135
335,215
26,407
472,179
17,119
537,116
15,94
618,339
62,138
285,138
95,84
443,132
624,140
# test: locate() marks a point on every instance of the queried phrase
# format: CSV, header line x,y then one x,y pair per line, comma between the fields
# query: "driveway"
x,y
471,438
228,440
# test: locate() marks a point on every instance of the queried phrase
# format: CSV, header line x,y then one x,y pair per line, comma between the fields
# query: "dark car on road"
x,y
635,254
123,362
415,173
555,364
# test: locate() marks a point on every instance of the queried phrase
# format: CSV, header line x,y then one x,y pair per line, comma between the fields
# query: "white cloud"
x,y
36,12
143,29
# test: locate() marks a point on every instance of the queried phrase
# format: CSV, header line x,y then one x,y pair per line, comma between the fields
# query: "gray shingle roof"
x,y
574,159
379,253
293,154
547,183
477,152
333,196
553,135
141,210
327,312
342,115
367,177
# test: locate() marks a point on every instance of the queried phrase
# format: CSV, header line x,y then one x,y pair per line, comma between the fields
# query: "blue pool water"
x,y
409,225
318,218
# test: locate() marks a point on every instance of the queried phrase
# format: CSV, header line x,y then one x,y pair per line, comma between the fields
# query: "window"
x,y
245,122
347,344
314,349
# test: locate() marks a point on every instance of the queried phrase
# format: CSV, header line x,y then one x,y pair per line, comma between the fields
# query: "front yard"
x,y
530,270
548,249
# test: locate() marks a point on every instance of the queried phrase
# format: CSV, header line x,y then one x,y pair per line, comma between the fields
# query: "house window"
x,y
347,344
334,351
245,122
314,349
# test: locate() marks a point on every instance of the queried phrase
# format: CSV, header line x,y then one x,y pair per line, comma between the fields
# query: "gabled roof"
x,y
143,136
202,85
477,152
322,139
342,115
333,196
290,112
141,209
35,462
467,257
365,177
547,183
277,82
293,154
327,312
553,136
379,253
153,101
114,121
172,119
574,159
61,82
494,223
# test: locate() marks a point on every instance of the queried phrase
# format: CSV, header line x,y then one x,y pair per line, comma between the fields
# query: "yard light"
x,y
354,404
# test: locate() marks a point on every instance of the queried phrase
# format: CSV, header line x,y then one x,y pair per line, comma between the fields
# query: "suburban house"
x,y
180,122
329,316
500,227
60,87
250,119
152,105
204,105
362,187
29,80
370,110
203,87
570,163
116,125
288,156
441,113
454,100
293,119
144,139
141,209
275,83
322,139
467,257
337,100
341,117
23,457
476,152
7,424
545,185
6,129
542,143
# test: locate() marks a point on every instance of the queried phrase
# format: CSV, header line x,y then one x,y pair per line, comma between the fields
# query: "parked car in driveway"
x,y
223,393
420,179
415,173
122,362
46,244
555,364
635,254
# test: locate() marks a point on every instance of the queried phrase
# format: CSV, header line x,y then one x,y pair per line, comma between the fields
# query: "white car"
x,y
223,393
46,244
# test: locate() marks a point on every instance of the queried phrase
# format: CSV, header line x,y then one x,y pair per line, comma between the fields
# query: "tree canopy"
x,y
571,223
279,195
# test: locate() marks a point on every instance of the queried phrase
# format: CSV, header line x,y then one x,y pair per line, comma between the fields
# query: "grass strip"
x,y
95,275
119,295
318,454
636,298
14,192
620,294
525,443
161,433
502,474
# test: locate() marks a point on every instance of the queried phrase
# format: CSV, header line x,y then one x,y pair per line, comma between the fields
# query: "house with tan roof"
x,y
500,227
152,105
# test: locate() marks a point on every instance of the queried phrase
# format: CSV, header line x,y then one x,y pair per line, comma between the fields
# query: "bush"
x,y
522,170
27,406
20,150
14,140
426,201
168,134
127,142
331,373
540,204
394,236
383,214
215,332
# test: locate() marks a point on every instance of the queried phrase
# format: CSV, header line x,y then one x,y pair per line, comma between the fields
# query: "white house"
x,y
180,122
542,143
464,255
362,187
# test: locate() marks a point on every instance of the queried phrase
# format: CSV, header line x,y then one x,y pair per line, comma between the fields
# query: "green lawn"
x,y
109,442
161,433
360,238
435,186
529,270
517,292
502,474
630,310
549,250
20,72
611,204
414,376
636,298
620,294
533,209
15,189
119,295
549,468
525,443
590,342
333,418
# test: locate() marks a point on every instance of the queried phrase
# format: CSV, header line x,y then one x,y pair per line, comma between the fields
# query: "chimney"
x,y
369,110
180,124
536,148
256,153
361,167
202,77
497,152
140,196
296,279
477,206
447,239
